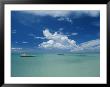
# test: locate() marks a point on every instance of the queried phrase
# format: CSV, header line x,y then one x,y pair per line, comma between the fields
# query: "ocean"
x,y
54,65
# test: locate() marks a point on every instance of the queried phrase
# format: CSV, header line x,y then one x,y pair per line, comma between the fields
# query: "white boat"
x,y
25,55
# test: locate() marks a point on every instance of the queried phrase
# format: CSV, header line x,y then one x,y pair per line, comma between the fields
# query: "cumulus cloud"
x,y
56,40
61,41
92,45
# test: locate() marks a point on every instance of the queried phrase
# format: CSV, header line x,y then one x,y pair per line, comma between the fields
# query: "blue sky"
x,y
73,31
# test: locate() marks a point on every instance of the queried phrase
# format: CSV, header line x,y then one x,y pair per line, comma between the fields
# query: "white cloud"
x,y
16,48
25,42
67,19
74,34
62,13
92,13
92,45
60,41
40,37
52,44
53,13
56,40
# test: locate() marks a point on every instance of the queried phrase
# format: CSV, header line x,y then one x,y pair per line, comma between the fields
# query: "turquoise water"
x,y
53,65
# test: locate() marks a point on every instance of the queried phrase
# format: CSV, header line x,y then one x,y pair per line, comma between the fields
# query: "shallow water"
x,y
53,65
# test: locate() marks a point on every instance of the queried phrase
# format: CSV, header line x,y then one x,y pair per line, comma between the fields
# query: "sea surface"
x,y
54,65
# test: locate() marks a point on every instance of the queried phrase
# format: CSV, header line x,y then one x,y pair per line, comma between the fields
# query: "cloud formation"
x,y
67,19
53,13
92,13
56,40
62,13
92,45
61,41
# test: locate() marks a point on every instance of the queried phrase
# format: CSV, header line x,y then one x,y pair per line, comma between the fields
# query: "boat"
x,y
60,54
81,55
25,55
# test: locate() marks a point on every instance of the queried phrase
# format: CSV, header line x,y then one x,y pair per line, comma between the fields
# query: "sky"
x,y
55,30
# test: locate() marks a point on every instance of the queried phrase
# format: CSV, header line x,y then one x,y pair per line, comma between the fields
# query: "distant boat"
x,y
25,55
60,54
81,55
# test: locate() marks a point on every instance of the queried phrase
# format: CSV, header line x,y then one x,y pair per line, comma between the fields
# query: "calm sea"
x,y
54,65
